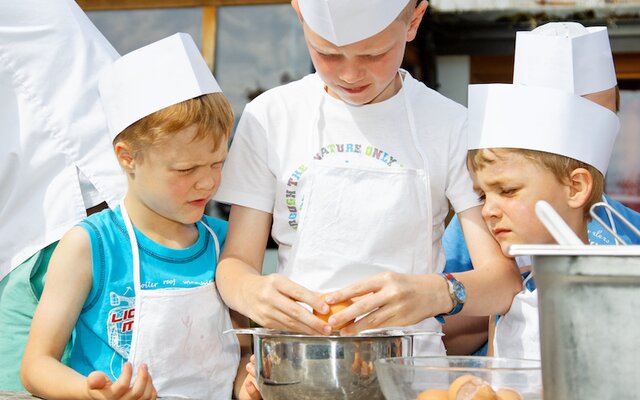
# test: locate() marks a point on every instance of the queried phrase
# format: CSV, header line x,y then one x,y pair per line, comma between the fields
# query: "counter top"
x,y
15,396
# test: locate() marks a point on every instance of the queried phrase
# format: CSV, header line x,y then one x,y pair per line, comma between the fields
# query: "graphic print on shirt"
x,y
120,321
331,150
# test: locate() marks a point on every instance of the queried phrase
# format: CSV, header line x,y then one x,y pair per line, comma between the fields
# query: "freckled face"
x,y
177,177
511,185
363,72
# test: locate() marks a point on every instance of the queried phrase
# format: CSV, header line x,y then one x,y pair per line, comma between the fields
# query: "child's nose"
x,y
490,209
351,71
207,181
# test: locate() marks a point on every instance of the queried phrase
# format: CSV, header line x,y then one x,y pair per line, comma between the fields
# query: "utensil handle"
x,y
607,206
556,226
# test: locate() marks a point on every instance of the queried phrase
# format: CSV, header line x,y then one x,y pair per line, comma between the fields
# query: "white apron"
x,y
359,221
517,332
191,359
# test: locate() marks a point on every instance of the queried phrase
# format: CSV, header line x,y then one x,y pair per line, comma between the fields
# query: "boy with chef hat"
x,y
144,296
528,144
569,57
55,161
350,170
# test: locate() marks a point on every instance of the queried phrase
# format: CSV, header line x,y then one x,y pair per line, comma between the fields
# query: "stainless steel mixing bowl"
x,y
294,366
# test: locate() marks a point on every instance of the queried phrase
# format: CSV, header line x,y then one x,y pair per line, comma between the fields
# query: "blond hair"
x,y
211,113
560,166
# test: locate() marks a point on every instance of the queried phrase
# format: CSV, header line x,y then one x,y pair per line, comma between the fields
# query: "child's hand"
x,y
273,299
99,386
391,299
250,386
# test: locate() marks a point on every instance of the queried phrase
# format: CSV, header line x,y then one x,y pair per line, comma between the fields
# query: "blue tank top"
x,y
104,328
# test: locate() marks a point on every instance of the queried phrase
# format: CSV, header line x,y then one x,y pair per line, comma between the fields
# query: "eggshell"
x,y
454,387
475,389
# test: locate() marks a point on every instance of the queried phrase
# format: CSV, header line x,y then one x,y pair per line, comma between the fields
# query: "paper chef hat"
x,y
543,119
566,56
343,22
151,78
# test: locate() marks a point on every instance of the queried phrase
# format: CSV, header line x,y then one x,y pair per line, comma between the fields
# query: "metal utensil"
x,y
589,298
308,367
606,227
556,226
386,331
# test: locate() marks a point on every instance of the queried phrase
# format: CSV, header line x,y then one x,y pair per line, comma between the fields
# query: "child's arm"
x,y
270,300
464,334
67,286
394,299
495,280
244,386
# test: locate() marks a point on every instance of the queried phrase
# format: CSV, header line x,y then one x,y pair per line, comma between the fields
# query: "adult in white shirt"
x,y
56,161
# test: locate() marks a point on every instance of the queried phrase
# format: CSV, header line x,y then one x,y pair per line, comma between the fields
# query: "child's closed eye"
x,y
508,191
185,171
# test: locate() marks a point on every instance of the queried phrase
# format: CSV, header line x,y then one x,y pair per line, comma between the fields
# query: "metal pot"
x,y
589,307
295,366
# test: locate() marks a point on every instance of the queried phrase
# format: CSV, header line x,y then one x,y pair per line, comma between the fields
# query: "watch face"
x,y
459,291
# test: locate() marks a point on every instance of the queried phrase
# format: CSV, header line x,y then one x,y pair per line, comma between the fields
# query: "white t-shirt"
x,y
276,139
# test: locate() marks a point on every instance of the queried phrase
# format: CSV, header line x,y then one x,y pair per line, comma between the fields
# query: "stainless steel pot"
x,y
300,367
589,307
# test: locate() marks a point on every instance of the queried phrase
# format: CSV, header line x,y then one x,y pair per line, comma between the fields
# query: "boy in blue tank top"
x,y
136,284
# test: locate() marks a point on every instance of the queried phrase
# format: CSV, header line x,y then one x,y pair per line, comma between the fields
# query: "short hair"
x,y
211,113
407,11
560,166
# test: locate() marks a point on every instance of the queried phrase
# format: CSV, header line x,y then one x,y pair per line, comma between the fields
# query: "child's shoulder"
x,y
105,218
218,226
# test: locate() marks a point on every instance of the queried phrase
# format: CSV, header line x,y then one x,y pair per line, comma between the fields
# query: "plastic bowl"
x,y
404,378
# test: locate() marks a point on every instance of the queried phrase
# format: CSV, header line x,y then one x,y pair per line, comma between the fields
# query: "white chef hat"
x,y
343,22
153,77
543,119
566,56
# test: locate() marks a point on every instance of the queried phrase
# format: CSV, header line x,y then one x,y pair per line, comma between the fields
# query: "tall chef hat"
x,y
566,56
153,77
343,22
543,119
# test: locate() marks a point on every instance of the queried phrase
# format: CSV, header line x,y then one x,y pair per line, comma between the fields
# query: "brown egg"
x,y
474,389
509,394
333,309
434,394
454,387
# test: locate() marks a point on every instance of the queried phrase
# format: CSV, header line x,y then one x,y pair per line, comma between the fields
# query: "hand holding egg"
x,y
334,309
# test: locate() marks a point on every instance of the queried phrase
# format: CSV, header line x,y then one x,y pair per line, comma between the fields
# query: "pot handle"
x,y
610,209
399,331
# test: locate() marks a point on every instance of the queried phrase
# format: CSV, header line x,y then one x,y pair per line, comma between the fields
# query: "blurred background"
x,y
254,45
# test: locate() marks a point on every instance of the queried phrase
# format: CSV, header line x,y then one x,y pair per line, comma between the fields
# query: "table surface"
x,y
15,396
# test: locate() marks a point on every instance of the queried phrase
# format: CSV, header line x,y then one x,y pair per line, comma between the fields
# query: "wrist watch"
x,y
456,291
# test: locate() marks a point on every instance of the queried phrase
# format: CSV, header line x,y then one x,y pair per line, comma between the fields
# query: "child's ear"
x,y
124,154
416,18
580,187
